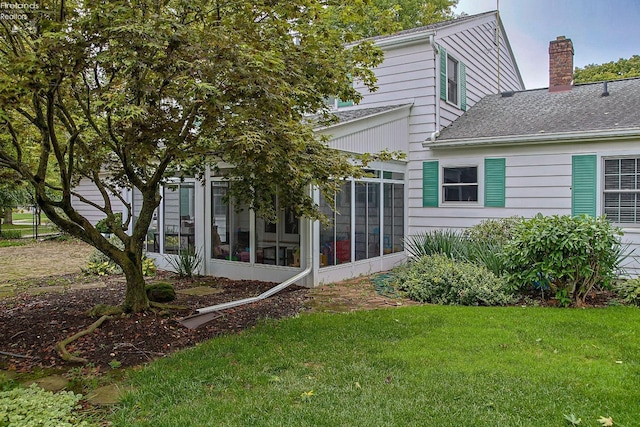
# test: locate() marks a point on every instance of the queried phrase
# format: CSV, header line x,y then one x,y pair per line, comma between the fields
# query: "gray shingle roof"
x,y
538,111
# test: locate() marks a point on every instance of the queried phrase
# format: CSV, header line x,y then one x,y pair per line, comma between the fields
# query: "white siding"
x,y
90,192
538,180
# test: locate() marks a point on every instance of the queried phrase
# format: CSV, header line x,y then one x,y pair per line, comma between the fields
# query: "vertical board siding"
x,y
583,184
494,182
430,184
392,136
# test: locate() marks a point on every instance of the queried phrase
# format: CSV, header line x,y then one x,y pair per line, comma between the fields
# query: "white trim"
x,y
404,40
541,138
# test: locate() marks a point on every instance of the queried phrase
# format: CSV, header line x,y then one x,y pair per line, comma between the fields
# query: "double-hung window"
x,y
460,184
622,190
453,76
453,80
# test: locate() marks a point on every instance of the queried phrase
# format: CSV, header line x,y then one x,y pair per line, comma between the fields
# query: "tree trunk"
x,y
8,216
135,299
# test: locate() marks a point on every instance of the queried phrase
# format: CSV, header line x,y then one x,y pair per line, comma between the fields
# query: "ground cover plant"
x,y
422,365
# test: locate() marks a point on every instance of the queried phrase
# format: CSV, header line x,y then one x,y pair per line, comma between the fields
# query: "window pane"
x,y
342,248
468,175
452,80
335,240
393,218
219,221
179,218
239,235
361,221
461,193
171,219
398,218
327,234
278,243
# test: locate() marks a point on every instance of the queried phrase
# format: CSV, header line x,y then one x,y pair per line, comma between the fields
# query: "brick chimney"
x,y
560,64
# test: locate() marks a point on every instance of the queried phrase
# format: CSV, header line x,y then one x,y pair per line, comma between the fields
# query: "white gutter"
x,y
541,138
404,39
436,77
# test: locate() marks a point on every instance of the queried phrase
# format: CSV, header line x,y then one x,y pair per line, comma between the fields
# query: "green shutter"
x,y
430,184
494,182
463,87
342,103
583,184
443,73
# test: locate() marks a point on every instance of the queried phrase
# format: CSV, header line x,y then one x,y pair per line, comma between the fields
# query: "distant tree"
x,y
621,69
386,16
14,192
126,93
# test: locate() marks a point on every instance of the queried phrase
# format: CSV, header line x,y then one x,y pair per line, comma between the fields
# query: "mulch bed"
x,y
31,325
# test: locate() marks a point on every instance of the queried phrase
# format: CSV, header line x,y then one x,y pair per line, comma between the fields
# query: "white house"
x,y
569,149
430,76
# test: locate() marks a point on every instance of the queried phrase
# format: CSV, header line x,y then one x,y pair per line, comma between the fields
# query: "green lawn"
x,y
415,366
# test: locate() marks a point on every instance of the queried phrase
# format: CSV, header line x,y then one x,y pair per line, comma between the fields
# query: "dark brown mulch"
x,y
30,325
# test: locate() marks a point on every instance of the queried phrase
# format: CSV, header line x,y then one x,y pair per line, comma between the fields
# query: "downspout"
x,y
200,318
436,77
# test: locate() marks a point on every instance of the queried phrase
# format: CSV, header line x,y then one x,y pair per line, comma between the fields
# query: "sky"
x,y
601,31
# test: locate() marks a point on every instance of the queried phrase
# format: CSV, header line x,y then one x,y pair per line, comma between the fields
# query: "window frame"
x,y
456,73
444,185
620,191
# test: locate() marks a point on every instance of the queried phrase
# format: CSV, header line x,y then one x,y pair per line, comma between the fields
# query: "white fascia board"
x,y
542,138
404,40
341,129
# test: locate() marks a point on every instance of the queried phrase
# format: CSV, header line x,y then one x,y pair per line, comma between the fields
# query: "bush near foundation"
x,y
573,254
439,279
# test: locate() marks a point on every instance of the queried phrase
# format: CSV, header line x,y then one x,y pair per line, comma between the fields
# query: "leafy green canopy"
x,y
128,93
141,89
383,16
621,69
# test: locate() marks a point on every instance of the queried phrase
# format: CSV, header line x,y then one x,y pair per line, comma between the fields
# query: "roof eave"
x,y
542,138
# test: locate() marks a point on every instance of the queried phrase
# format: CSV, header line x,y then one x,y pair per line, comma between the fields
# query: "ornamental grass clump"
x,y
439,279
574,254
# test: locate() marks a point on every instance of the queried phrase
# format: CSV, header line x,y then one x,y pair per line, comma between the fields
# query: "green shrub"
x,y
11,234
439,279
10,243
186,263
103,227
446,242
488,254
458,245
149,267
574,254
101,265
36,407
160,292
629,291
497,231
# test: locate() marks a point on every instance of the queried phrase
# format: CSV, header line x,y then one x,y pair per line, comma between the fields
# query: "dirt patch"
x,y
49,300
42,258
